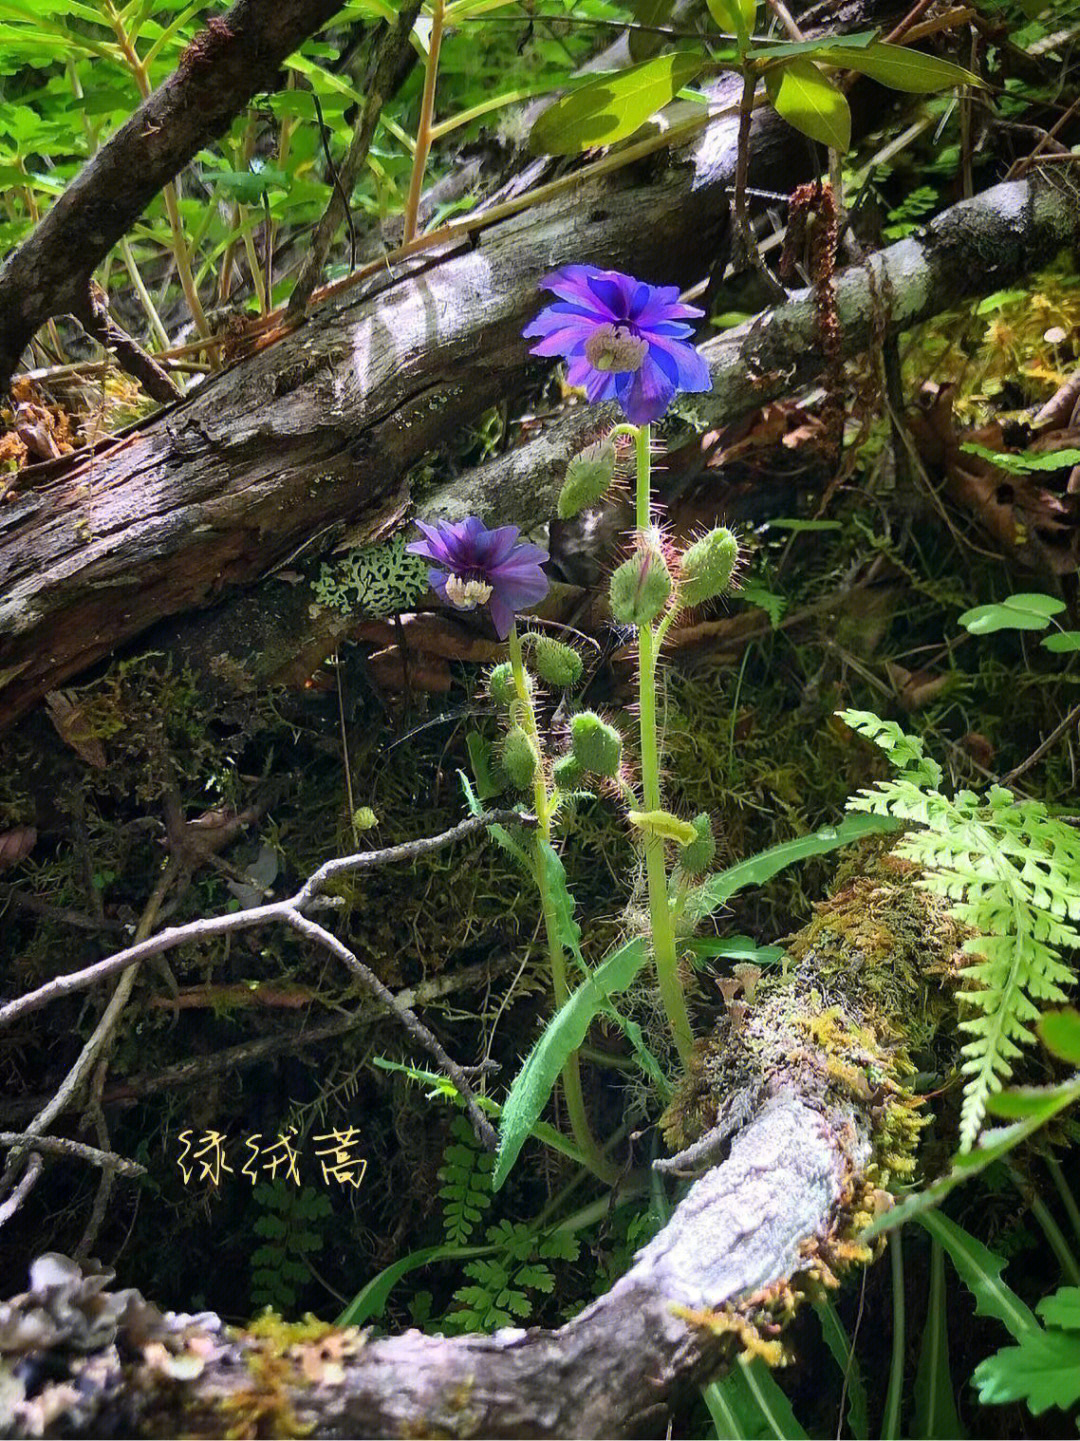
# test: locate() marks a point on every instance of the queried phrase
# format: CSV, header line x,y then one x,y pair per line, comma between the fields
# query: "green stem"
x,y
424,128
663,927
544,808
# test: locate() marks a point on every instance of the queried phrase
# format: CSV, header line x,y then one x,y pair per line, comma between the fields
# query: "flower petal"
x,y
495,547
692,369
648,393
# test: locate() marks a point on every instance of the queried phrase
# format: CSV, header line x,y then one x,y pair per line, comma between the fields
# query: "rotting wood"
x,y
816,1062
319,430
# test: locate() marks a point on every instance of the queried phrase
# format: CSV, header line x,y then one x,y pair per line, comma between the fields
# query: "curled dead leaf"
x,y
16,844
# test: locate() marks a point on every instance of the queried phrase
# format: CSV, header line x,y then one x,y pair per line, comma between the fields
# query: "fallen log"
x,y
809,1072
236,56
272,634
321,429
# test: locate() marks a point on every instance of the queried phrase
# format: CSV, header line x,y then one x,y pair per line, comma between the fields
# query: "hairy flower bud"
x,y
568,772
556,663
640,588
707,566
697,857
501,684
519,758
587,478
596,745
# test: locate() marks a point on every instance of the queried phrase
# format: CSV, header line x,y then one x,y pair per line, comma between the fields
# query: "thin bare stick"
x,y
27,1182
101,1040
1051,740
61,1146
391,50
201,930
411,1022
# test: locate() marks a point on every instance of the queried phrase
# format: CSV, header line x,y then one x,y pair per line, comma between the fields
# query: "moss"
x,y
863,991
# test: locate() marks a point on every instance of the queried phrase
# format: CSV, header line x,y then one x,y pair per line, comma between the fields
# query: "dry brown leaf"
x,y
16,844
66,714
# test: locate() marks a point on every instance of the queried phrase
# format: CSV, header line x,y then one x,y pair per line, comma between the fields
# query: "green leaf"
x,y
663,824
1059,1032
1062,1308
843,1353
614,106
249,186
935,1402
642,43
734,17
900,68
735,948
498,833
980,1270
806,99
1062,642
748,1403
783,49
707,898
1043,1370
1026,611
562,1036
1024,464
993,1145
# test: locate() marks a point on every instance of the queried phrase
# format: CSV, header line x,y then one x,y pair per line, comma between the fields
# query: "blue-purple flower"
x,y
624,340
474,566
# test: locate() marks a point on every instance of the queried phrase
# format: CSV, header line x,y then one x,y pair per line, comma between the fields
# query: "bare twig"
x,y
92,311
1036,755
196,1069
391,51
288,912
201,930
61,1146
27,1182
97,1047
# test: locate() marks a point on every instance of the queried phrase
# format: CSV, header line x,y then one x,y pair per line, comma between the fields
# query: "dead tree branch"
x,y
238,55
826,1118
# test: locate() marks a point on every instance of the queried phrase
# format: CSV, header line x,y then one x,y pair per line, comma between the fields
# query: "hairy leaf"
x,y
707,898
562,1036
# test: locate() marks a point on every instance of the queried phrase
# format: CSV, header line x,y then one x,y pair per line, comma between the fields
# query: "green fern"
x,y
466,1177
292,1225
502,1288
1009,871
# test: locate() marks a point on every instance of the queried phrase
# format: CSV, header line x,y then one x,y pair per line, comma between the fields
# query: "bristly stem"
x,y
544,807
663,926
424,128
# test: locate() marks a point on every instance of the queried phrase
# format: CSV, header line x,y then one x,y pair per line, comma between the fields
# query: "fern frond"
x,y
1011,873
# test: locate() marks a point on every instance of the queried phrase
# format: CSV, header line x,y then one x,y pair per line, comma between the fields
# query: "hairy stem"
x,y
542,804
663,927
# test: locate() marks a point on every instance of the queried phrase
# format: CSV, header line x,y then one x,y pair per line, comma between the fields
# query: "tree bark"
x,y
828,1118
324,427
235,57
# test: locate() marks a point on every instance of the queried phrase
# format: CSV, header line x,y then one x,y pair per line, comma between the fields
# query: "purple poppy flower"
x,y
625,340
474,566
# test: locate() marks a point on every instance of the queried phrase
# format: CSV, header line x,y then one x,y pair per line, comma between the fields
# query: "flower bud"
x,y
501,684
640,588
697,857
568,772
596,745
707,566
519,759
556,663
587,478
